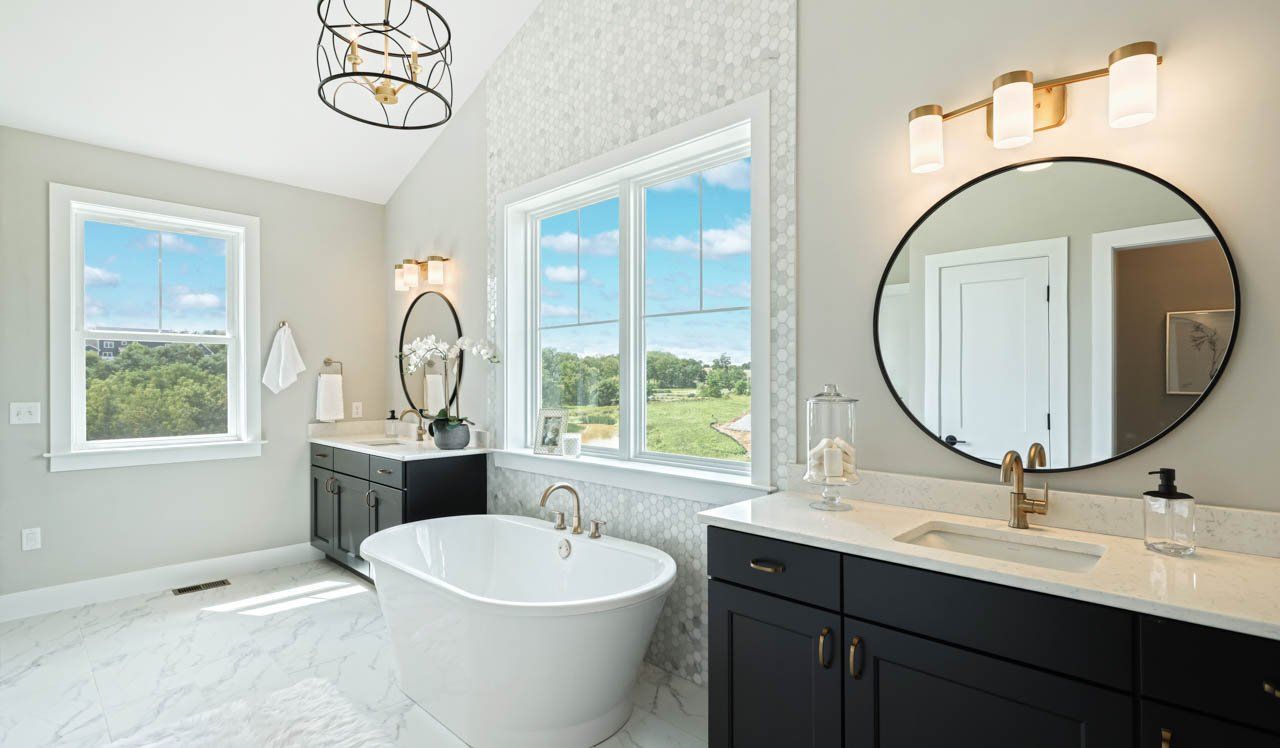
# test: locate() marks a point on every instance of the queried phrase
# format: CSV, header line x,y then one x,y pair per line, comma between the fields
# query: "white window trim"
x,y
68,449
743,126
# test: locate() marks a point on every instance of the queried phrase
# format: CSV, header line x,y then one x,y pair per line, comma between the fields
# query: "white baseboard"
x,y
74,594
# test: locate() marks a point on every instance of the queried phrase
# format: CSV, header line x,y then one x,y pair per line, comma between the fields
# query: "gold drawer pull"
x,y
322,455
1166,737
822,647
1269,687
854,669
768,567
371,498
383,471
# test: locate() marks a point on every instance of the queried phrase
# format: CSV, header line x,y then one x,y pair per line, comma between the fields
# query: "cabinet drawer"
x,y
811,575
322,456
1166,726
1210,670
386,471
1066,636
352,463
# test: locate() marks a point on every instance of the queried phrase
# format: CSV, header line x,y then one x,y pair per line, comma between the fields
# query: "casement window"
x,y
153,329
637,299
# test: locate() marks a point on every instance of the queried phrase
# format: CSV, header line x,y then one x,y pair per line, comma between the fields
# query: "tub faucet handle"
x,y
559,518
596,524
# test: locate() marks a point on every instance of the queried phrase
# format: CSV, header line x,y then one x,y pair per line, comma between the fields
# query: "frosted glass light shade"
x,y
400,284
412,274
924,132
1132,85
435,271
1012,109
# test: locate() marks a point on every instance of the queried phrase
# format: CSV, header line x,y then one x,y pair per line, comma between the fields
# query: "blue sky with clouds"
x,y
133,275
697,259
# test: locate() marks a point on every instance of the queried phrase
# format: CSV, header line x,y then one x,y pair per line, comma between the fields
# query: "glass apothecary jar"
x,y
831,459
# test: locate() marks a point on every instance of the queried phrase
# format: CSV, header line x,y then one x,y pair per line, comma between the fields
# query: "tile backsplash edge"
x,y
1223,528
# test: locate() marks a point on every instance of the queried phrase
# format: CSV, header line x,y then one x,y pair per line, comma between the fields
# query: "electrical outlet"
x,y
31,539
24,413
357,410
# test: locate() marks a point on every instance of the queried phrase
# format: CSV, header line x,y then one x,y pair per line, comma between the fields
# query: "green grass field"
x,y
676,424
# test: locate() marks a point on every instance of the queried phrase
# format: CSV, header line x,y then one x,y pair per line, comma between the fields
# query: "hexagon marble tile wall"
x,y
581,79
679,643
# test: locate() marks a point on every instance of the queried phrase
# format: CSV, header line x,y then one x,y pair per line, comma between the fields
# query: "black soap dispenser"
x,y
1169,517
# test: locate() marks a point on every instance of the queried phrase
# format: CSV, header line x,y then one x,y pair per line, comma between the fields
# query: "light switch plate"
x,y
31,539
357,410
24,413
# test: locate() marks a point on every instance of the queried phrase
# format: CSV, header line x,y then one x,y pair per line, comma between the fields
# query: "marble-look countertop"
x,y
403,449
1231,591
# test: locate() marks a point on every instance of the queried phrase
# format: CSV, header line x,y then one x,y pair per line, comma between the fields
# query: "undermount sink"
x,y
381,443
1006,545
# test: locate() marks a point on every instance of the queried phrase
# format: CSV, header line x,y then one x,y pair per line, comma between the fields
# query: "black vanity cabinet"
x,y
924,658
354,495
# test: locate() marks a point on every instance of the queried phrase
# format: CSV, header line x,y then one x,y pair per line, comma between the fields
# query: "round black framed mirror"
x,y
431,313
1076,302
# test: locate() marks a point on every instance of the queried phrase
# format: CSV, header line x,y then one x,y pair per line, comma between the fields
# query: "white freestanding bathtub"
x,y
505,641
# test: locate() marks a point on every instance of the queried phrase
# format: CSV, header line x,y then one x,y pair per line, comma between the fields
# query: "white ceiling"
x,y
229,85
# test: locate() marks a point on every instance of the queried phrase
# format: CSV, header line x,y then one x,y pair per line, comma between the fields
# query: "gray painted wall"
x,y
857,197
102,522
439,209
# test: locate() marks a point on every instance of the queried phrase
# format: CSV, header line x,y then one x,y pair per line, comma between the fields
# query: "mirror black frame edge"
x,y
404,326
1226,357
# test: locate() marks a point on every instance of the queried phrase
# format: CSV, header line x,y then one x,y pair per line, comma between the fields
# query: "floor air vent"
x,y
201,587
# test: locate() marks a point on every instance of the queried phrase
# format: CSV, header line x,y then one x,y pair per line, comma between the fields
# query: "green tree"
x,y
171,390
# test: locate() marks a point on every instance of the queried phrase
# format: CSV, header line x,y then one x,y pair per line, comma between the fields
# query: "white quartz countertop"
x,y
403,449
1225,590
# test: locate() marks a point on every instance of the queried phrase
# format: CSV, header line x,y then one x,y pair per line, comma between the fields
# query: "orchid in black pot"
x,y
449,429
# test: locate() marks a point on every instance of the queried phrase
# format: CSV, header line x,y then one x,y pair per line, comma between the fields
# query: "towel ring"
x,y
332,362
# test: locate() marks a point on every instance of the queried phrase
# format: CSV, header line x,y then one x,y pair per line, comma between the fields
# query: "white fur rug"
x,y
312,713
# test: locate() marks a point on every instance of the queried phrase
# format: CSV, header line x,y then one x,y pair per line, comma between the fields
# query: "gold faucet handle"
x,y
559,518
596,524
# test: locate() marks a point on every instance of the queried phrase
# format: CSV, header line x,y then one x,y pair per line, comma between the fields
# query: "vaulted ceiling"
x,y
228,85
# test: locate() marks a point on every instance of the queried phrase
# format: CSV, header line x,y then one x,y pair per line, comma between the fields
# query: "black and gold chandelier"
x,y
385,62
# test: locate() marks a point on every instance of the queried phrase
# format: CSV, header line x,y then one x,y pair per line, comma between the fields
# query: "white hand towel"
x,y
283,363
434,386
329,406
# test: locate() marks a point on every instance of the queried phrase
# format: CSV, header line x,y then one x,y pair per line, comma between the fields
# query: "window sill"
x,y
134,456
683,483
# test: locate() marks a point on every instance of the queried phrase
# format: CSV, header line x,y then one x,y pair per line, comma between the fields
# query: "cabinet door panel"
x,y
322,509
353,514
912,692
1170,727
775,676
387,507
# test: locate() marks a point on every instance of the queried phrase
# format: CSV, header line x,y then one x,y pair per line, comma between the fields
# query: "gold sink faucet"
x,y
1011,471
422,431
577,505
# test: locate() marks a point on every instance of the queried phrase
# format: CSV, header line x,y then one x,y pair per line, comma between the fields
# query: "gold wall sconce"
x,y
412,273
1019,106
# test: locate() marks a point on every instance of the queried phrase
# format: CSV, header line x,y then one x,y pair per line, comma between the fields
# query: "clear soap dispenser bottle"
x,y
391,426
1169,517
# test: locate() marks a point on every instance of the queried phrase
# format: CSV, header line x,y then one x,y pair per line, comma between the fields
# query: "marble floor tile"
x,y
90,675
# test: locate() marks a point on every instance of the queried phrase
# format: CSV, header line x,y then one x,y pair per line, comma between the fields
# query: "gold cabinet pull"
x,y
370,498
383,471
322,455
329,483
768,567
1269,687
822,647
1166,737
854,669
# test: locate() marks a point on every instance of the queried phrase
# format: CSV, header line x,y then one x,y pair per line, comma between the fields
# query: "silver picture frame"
x,y
549,431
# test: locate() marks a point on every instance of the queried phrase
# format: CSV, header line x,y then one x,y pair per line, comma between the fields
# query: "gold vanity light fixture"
x,y
1019,106
411,273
